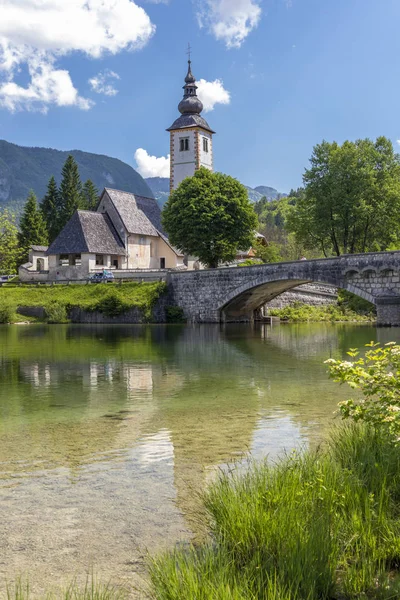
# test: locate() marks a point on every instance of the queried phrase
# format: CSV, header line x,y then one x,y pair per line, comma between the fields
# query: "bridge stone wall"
x,y
233,294
310,293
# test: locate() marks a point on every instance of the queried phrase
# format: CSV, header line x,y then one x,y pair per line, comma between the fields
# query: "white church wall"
x,y
184,162
205,158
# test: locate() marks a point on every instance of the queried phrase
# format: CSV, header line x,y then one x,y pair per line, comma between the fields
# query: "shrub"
x,y
56,312
377,376
111,305
175,314
7,311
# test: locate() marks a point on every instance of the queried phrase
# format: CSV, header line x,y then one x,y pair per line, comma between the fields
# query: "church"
x,y
125,233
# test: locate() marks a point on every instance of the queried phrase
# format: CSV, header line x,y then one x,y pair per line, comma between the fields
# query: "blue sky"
x,y
294,73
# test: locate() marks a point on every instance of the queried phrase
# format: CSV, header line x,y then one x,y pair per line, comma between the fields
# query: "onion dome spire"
x,y
191,104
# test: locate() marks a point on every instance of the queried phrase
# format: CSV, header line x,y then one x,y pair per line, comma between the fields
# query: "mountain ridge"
x,y
160,188
23,168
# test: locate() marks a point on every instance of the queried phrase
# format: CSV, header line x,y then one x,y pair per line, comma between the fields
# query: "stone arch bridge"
x,y
234,293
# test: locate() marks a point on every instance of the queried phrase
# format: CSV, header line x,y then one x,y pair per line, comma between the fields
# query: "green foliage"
x,y
56,312
377,376
273,217
250,262
70,191
209,216
102,297
32,227
304,313
10,253
355,303
269,253
7,311
90,195
351,201
320,524
50,208
112,304
175,314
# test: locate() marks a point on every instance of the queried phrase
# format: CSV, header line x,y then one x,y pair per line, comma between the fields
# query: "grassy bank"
x,y
110,299
303,313
320,525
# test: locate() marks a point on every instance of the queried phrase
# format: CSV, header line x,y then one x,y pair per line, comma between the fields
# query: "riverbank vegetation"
x,y
320,524
110,299
334,313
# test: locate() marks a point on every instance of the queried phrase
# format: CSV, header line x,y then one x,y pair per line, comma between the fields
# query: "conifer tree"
x,y
32,226
70,191
50,208
90,195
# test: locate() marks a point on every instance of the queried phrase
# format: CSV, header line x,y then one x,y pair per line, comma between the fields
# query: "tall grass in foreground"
x,y
320,525
92,590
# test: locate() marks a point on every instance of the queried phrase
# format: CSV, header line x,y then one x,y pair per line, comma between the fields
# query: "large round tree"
x,y
210,216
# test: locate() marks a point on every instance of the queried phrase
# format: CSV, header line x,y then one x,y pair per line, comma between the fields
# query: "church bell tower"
x,y
191,143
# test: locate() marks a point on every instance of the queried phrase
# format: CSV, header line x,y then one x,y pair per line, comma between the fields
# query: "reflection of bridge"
x,y
233,294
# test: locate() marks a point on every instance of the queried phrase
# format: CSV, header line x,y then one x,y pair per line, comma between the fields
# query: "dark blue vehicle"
x,y
102,277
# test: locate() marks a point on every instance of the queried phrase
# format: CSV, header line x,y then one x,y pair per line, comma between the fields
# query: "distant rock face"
x,y
160,188
23,169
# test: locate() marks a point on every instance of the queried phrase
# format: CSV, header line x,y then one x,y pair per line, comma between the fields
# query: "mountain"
x,y
160,188
270,192
23,169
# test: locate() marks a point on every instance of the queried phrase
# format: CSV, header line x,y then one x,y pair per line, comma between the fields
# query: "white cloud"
x,y
152,166
212,93
36,32
102,83
398,142
230,21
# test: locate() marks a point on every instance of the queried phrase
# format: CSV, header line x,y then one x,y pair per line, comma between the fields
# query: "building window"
x,y
205,144
162,263
99,260
142,241
184,144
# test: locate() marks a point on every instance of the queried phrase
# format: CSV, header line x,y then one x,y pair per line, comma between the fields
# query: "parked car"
x,y
102,277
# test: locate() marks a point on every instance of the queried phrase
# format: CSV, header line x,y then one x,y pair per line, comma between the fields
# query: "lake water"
x,y
108,433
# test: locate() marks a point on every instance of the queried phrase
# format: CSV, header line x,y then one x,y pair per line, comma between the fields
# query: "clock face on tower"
x,y
191,138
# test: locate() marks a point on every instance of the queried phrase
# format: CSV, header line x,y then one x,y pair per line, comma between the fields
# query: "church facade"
x,y
125,233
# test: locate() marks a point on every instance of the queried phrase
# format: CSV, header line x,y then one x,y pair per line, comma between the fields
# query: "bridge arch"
x,y
241,302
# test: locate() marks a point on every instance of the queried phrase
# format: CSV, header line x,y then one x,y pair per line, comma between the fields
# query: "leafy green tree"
x,y
70,191
10,253
50,208
90,195
269,253
32,226
210,216
351,201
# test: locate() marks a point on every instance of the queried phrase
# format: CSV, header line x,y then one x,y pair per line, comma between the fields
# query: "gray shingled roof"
x,y
140,215
88,231
193,120
39,248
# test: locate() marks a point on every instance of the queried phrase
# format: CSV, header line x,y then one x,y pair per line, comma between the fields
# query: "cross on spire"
x,y
189,51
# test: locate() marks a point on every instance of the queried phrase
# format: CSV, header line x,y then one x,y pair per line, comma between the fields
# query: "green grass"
x,y
324,524
303,313
110,299
92,590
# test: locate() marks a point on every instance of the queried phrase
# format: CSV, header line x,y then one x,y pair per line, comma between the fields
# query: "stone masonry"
x,y
310,293
233,294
